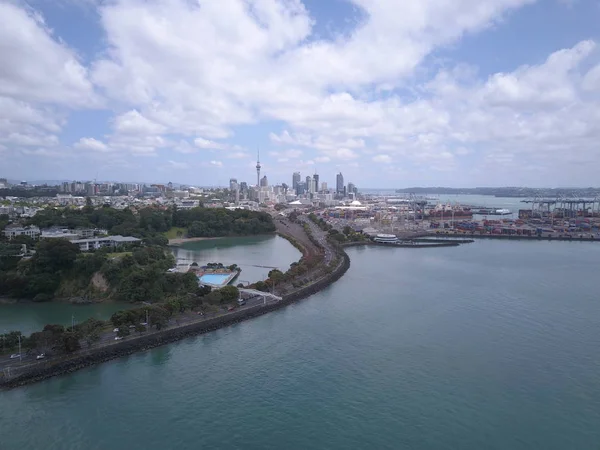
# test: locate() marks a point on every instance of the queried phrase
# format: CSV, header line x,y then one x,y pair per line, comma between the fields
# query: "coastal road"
x,y
321,237
108,337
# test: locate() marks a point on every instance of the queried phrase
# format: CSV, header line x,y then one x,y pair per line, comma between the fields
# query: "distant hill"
x,y
506,191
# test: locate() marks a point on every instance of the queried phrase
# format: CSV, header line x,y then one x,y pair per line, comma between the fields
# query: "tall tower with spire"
x,y
258,168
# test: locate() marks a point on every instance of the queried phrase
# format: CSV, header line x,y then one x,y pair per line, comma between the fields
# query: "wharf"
x,y
509,237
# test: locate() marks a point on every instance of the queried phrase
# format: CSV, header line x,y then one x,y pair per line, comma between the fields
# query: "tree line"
x,y
56,339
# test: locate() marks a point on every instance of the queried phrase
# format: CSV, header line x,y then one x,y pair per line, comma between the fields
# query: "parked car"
x,y
118,338
230,308
15,355
40,356
116,330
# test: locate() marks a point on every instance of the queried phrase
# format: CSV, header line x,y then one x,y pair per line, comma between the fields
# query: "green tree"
x,y
54,255
123,331
92,337
70,342
229,294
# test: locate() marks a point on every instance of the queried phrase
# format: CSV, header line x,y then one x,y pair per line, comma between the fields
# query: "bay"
x,y
28,317
489,345
256,255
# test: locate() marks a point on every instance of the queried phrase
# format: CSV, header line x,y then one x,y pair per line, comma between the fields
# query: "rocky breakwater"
x,y
329,270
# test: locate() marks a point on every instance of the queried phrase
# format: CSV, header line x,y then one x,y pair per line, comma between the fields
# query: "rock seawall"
x,y
51,368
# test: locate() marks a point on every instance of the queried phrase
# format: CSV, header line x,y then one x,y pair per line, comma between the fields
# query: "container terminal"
x,y
383,217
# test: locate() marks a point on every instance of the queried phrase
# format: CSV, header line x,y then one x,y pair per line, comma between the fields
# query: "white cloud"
x,y
30,140
382,158
36,67
134,123
210,145
92,144
237,155
179,165
287,154
340,101
591,80
258,64
184,147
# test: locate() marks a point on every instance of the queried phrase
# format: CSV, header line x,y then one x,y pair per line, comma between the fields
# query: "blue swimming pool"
x,y
216,279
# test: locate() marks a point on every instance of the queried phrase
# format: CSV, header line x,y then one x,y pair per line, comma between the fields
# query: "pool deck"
x,y
231,276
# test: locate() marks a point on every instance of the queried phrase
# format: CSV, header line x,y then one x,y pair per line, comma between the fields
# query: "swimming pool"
x,y
216,279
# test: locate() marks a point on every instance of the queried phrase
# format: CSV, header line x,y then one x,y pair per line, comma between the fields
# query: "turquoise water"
x,y
492,345
214,278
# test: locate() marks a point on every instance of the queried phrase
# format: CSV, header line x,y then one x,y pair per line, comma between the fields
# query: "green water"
x,y
30,317
249,253
492,345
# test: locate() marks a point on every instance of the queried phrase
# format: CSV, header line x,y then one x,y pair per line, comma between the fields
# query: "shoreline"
x,y
23,375
20,376
179,241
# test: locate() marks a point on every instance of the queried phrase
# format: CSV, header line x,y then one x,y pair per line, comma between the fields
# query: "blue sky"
x,y
391,93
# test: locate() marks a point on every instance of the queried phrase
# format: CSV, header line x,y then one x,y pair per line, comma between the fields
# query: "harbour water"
x,y
256,255
250,253
490,345
29,317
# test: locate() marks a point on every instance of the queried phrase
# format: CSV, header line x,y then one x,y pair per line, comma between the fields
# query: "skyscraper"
x,y
264,182
295,180
233,184
258,168
339,185
309,184
316,181
300,188
352,188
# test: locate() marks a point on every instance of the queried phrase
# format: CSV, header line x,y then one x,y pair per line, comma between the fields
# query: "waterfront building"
x,y
386,238
339,185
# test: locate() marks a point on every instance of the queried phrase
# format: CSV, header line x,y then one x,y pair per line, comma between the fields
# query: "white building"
x,y
86,245
12,231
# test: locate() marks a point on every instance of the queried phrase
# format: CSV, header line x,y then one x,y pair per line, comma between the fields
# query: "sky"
x,y
392,93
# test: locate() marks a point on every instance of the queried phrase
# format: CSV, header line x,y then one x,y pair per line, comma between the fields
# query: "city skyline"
x,y
470,100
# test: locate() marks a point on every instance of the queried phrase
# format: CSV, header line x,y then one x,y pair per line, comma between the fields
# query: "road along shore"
x,y
19,376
